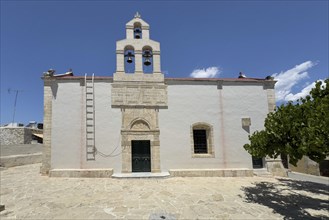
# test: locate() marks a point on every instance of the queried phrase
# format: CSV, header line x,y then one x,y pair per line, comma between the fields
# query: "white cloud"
x,y
210,72
301,94
290,78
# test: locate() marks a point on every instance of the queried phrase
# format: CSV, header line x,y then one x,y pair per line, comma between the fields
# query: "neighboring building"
x,y
15,133
139,121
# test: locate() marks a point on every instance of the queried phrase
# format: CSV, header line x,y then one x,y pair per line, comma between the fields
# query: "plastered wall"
x,y
188,103
68,127
223,109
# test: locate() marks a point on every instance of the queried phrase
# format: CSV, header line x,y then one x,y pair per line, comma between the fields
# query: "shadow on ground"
x,y
292,199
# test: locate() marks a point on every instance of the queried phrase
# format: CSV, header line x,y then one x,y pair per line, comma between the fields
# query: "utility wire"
x,y
15,103
111,154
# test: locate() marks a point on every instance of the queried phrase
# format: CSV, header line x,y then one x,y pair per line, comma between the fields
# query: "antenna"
x,y
17,91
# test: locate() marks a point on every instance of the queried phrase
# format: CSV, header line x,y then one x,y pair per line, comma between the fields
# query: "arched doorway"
x,y
140,144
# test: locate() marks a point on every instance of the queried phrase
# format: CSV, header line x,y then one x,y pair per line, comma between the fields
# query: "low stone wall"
x,y
306,165
275,167
19,160
17,135
78,173
12,136
211,172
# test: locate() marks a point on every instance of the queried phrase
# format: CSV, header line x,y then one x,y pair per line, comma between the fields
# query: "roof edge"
x,y
70,77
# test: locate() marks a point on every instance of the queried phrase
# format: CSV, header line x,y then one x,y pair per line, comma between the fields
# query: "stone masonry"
x,y
46,152
17,135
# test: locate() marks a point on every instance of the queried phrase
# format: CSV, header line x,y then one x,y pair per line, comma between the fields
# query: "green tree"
x,y
296,129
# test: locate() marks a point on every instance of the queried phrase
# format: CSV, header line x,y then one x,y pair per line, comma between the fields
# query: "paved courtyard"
x,y
27,195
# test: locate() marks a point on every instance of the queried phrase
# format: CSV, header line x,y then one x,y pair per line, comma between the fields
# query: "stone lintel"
x,y
136,132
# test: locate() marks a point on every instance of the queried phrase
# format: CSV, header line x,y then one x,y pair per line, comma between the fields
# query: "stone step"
x,y
262,173
141,175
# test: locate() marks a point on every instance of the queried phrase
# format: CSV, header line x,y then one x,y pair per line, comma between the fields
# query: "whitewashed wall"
x,y
188,103
68,131
223,109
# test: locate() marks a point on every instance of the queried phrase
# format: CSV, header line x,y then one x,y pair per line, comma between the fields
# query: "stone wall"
x,y
12,136
18,135
306,165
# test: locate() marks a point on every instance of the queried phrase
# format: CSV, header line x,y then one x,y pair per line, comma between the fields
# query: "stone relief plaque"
x,y
139,95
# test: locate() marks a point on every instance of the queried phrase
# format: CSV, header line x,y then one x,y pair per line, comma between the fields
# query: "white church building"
x,y
140,123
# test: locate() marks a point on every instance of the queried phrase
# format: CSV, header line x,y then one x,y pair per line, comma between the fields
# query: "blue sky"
x,y
286,39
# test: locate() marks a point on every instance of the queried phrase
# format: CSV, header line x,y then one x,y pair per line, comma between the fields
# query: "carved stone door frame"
x,y
152,136
140,124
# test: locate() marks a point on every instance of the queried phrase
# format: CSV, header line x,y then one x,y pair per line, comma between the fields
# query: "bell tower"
x,y
138,89
137,54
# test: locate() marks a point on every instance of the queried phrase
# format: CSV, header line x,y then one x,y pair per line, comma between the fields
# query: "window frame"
x,y
209,136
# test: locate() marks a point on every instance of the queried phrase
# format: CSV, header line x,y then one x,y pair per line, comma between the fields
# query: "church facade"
x,y
138,121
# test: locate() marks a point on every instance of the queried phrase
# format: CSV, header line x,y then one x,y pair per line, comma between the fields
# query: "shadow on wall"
x,y
290,198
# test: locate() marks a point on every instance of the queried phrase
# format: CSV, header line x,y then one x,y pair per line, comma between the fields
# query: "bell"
x,y
137,32
147,55
129,55
147,62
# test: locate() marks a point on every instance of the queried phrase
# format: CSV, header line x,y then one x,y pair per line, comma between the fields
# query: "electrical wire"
x,y
110,154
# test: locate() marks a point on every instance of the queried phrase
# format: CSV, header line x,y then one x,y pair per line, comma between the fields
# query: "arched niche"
x,y
147,52
138,33
140,124
129,59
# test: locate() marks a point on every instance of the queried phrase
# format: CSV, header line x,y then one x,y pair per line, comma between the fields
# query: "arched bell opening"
x,y
137,30
129,58
147,59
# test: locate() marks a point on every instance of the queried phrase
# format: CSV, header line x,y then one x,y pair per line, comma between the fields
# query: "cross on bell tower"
x,y
137,54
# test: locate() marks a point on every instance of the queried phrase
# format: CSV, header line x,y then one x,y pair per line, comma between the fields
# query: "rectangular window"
x,y
200,141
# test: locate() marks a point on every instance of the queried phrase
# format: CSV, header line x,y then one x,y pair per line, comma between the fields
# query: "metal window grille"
x,y
200,141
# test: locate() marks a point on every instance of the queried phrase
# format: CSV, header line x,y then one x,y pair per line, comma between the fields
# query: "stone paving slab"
x,y
27,195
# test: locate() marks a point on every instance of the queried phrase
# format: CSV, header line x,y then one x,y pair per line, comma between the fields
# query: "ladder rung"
x,y
89,99
89,105
89,92
89,87
90,132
